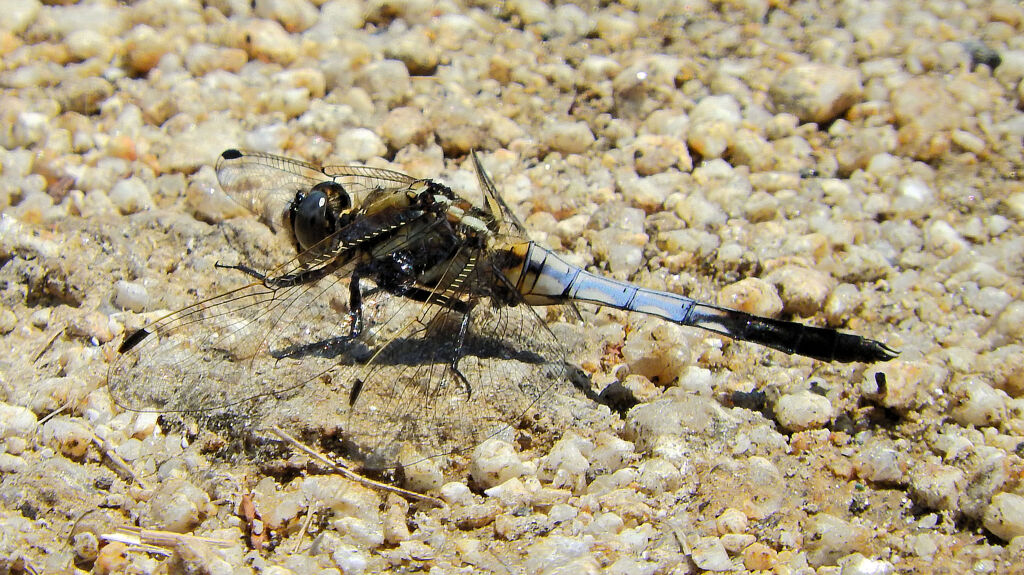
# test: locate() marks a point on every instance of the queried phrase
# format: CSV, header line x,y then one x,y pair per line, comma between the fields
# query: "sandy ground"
x,y
856,166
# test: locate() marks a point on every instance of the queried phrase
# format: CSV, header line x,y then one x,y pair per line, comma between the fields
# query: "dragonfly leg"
x,y
332,346
460,339
244,269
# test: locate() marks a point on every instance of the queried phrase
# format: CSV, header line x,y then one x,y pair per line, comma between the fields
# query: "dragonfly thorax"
x,y
314,214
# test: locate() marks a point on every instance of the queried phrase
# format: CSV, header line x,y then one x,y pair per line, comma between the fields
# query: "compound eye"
x,y
338,199
312,221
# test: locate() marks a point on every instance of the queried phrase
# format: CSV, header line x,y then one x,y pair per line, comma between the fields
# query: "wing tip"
x,y
231,154
133,340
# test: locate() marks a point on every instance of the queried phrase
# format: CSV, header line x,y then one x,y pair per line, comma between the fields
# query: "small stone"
x,y
828,538
658,476
816,92
936,486
1010,323
476,516
456,493
656,153
8,321
803,410
880,463
267,40
421,474
511,494
396,527
94,325
751,295
803,290
85,95
30,128
359,144
568,137
130,449
1005,516
67,436
130,296
980,403
494,462
16,421
18,14
112,558
731,521
902,385
734,543
567,463
178,506
759,557
417,50
709,554
404,126
145,424
386,81
944,239
610,453
857,564
294,15
12,463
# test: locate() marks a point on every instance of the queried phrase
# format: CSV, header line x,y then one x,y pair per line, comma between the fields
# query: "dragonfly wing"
x,y
410,392
266,184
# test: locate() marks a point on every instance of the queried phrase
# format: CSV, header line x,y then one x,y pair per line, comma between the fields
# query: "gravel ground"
x,y
857,166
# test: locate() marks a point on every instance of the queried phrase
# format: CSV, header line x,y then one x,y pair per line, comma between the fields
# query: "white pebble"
x,y
568,137
30,128
980,403
67,436
731,520
944,239
294,15
857,564
1011,322
512,493
359,144
816,92
803,290
828,538
1005,516
751,295
803,410
130,296
880,463
18,14
145,424
709,554
912,196
178,506
130,449
456,493
12,463
494,462
936,486
16,421
611,453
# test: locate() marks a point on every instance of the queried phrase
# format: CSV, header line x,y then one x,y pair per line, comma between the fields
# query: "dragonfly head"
x,y
314,214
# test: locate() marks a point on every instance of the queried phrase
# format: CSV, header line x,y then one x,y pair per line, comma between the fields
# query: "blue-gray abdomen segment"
x,y
543,278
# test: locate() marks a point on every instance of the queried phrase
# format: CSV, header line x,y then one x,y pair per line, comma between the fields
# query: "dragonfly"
x,y
408,316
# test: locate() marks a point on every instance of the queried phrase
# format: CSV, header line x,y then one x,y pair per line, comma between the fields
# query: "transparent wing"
x,y
224,351
508,363
266,184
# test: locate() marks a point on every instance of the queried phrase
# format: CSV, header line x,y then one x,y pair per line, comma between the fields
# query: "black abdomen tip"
x,y
231,154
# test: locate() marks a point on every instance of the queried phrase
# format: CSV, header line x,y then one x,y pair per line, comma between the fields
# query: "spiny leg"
x,y
329,346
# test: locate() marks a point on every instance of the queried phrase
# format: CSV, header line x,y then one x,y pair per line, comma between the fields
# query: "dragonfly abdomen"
x,y
543,278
